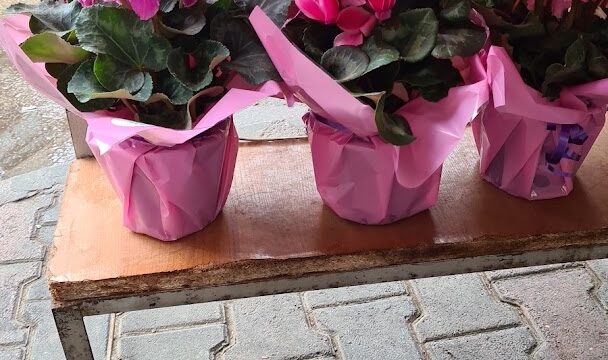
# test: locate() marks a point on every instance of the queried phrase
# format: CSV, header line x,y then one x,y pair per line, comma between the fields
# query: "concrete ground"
x,y
552,312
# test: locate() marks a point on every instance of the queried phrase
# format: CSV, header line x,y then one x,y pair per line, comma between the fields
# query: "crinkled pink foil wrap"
x,y
512,132
358,175
340,158
171,182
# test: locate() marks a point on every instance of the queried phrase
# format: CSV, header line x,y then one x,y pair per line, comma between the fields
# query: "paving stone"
x,y
191,344
38,289
11,354
157,319
344,295
44,341
12,278
17,221
457,305
273,327
45,234
50,215
506,344
41,179
573,325
501,274
271,119
601,269
374,330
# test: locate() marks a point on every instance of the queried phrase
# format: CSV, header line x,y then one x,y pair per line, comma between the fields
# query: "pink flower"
x,y
382,8
325,11
145,9
189,3
356,22
347,3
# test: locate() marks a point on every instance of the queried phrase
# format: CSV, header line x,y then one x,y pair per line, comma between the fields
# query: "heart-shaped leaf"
x,y
114,75
430,72
345,63
455,11
199,75
597,62
62,85
177,93
50,48
421,26
185,21
247,55
119,33
85,86
392,128
576,53
49,15
459,42
379,53
276,10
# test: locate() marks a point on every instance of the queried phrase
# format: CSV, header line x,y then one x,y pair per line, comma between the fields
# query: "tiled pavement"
x,y
554,312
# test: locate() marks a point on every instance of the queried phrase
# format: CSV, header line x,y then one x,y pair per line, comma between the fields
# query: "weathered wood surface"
x,y
275,227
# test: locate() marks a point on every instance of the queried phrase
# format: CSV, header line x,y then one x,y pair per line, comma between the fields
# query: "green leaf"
x,y
114,75
184,21
89,106
56,70
430,72
208,55
50,48
459,42
167,5
345,63
558,75
597,62
276,10
531,28
317,39
158,113
120,34
379,53
247,55
435,92
392,128
50,15
422,27
576,53
456,11
85,86
177,93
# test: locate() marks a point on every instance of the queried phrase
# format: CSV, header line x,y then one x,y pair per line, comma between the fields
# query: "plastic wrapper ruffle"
x,y
358,175
529,146
171,182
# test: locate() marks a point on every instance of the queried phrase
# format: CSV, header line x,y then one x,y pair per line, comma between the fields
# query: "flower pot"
x,y
357,176
529,146
168,192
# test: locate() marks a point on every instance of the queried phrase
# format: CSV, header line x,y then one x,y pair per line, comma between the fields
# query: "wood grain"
x,y
276,226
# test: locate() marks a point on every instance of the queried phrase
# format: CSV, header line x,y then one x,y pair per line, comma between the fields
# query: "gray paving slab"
x,y
345,295
12,278
371,330
600,267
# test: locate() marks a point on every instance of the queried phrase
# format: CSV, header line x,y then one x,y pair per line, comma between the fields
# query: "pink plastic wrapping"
x,y
531,147
358,175
171,182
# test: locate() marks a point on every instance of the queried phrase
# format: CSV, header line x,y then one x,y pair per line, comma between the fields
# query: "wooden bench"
x,y
276,236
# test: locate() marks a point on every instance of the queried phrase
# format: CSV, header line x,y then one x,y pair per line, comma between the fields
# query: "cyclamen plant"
x,y
163,61
386,52
554,43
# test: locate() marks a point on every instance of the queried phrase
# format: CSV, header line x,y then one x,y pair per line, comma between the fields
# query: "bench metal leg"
x,y
73,334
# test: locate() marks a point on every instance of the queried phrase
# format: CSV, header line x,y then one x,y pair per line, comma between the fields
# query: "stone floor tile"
x,y
343,295
11,354
188,344
373,330
44,341
157,319
12,278
501,274
273,328
506,344
601,269
457,305
17,221
572,324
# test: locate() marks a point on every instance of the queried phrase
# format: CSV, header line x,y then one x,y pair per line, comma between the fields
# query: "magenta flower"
x,y
145,9
356,23
325,11
382,8
189,3
347,3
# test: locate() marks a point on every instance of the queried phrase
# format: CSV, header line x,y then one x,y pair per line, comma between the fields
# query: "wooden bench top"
x,y
275,226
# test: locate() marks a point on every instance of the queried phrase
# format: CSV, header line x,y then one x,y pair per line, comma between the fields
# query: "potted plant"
x,y
391,87
548,72
151,80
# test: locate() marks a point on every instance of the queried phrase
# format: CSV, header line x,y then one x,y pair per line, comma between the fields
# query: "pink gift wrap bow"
x,y
437,126
171,182
531,147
